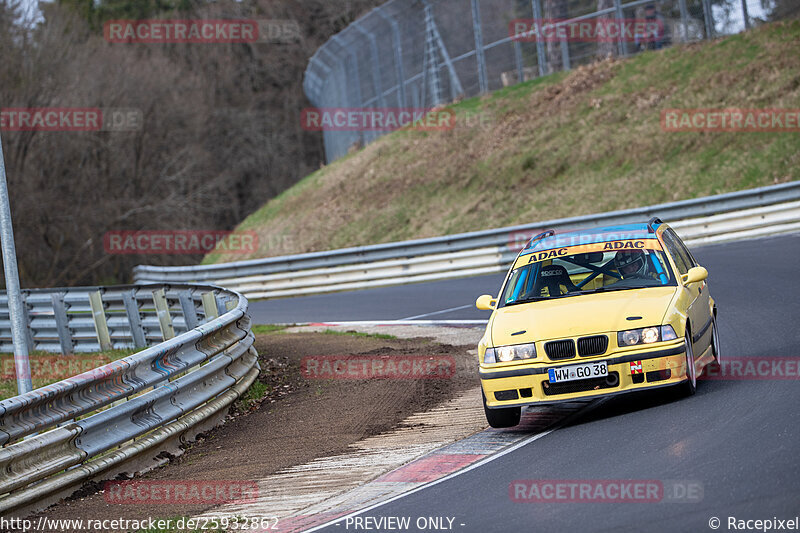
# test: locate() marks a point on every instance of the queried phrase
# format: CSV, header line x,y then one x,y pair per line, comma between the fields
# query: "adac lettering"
x,y
629,245
551,254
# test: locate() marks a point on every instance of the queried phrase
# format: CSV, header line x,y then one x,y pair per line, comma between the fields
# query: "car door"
x,y
698,308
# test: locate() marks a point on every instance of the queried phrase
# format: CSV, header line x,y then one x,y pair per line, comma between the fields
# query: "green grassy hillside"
x,y
573,143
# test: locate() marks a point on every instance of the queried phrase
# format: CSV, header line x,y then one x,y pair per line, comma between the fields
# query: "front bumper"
x,y
528,384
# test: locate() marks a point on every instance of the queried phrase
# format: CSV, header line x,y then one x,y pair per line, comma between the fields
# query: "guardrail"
x,y
58,437
738,215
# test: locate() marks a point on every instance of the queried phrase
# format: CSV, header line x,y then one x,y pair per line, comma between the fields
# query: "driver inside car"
x,y
633,264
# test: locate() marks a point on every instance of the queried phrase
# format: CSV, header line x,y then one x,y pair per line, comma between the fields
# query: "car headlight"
x,y
632,337
504,354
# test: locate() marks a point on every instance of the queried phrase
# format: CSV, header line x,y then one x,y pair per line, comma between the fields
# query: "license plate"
x,y
575,372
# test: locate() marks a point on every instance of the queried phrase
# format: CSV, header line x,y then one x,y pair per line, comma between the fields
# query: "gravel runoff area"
x,y
297,417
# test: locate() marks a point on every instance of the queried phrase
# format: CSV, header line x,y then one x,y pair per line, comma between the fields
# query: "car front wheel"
x,y
505,417
690,385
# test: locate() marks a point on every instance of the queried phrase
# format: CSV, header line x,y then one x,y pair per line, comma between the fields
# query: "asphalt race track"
x,y
739,440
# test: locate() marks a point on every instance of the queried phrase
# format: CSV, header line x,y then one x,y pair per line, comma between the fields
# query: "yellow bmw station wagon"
x,y
593,313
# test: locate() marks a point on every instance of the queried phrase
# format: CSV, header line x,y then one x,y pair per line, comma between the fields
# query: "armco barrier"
x,y
82,428
738,215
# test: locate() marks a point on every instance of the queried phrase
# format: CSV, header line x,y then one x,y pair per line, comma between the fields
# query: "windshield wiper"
x,y
540,298
611,289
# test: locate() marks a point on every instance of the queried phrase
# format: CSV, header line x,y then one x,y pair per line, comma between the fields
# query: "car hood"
x,y
576,316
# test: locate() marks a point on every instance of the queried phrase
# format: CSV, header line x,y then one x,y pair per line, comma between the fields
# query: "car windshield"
x,y
586,273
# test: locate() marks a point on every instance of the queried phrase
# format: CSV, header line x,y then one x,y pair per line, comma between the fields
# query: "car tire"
x,y
689,387
715,341
506,417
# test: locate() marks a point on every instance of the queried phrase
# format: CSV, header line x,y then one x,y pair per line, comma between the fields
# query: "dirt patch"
x,y
297,419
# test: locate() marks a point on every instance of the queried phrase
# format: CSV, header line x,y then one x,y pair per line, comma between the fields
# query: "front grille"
x,y
582,385
558,350
595,345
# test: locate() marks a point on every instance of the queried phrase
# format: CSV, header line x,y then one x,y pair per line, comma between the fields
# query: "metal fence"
x,y
117,417
424,53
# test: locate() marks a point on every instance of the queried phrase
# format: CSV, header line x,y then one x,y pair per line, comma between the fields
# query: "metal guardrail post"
x,y
536,5
134,318
210,306
479,52
222,307
189,311
62,323
164,318
100,322
22,364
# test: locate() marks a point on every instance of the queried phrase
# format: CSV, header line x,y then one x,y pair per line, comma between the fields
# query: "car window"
x,y
682,246
584,273
679,254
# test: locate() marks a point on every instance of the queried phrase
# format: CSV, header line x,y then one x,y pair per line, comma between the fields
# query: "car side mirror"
x,y
486,303
695,275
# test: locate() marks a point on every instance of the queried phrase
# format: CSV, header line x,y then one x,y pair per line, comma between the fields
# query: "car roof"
x,y
620,232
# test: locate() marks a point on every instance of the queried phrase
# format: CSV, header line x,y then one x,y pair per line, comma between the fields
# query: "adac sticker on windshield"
x,y
627,245
611,246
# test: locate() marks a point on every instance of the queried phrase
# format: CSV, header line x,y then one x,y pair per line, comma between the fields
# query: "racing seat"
x,y
553,277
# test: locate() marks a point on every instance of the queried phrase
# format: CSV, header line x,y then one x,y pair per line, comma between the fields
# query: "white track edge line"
x,y
438,312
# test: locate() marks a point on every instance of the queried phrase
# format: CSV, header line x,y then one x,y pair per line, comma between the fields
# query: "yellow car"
x,y
594,313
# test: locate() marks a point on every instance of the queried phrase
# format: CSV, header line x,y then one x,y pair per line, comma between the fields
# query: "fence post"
x,y
708,17
402,99
746,15
518,59
476,27
134,318
26,314
189,312
210,306
376,69
164,318
62,323
565,55
684,19
537,17
22,364
100,323
620,15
